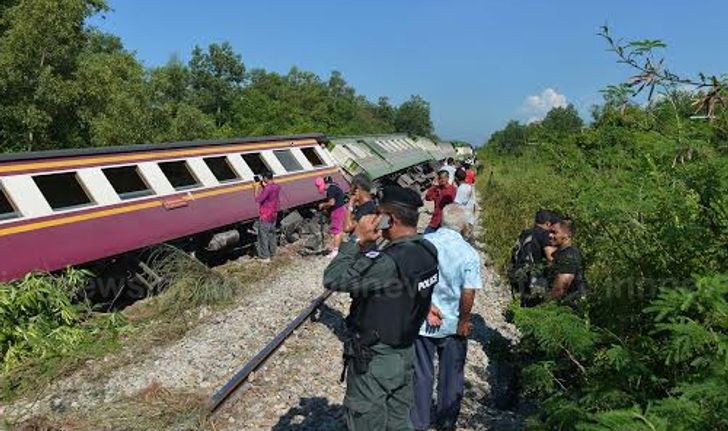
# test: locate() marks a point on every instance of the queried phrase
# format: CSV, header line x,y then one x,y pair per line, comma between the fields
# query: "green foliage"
x,y
510,139
216,78
39,49
40,321
647,186
66,85
562,121
413,117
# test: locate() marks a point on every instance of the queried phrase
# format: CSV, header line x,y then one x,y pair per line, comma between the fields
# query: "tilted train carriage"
x,y
71,207
391,158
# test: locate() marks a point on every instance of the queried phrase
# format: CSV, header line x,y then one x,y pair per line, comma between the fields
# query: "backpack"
x,y
522,258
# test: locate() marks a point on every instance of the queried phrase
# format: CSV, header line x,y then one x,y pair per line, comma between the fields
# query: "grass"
x,y
192,292
34,375
154,408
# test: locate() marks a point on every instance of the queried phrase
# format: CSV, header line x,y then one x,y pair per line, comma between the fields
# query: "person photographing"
x,y
267,196
392,286
335,204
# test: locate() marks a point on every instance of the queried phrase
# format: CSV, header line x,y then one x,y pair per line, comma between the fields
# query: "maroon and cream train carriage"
x,y
71,207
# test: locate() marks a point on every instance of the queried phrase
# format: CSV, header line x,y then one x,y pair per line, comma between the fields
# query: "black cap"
x,y
401,196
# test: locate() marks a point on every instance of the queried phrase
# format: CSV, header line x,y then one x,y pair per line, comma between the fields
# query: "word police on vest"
x,y
424,284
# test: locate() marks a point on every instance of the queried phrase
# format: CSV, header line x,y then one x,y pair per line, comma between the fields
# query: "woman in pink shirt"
x,y
267,195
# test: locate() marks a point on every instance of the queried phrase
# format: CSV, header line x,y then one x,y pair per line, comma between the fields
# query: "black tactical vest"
x,y
394,314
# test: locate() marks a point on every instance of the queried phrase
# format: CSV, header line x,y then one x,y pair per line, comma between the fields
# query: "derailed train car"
x,y
94,206
391,158
73,207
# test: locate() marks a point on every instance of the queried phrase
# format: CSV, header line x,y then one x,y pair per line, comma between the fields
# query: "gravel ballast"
x,y
298,388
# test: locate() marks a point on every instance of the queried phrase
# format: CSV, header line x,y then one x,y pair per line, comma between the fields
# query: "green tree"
x,y
174,114
510,139
385,112
40,45
217,77
562,120
646,184
113,99
413,117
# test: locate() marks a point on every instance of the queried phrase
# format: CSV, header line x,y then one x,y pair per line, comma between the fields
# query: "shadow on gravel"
x,y
496,411
313,414
334,320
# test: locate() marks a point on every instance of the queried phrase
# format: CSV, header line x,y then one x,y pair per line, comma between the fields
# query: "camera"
x,y
257,178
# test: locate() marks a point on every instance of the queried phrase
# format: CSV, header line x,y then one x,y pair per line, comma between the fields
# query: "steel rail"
x,y
224,393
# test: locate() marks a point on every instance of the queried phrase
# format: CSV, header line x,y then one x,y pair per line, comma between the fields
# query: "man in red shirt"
x,y
267,195
469,173
441,193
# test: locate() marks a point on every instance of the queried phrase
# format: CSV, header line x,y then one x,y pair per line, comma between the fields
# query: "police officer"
x,y
392,288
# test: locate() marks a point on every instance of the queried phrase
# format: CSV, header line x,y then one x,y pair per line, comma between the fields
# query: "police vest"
x,y
394,313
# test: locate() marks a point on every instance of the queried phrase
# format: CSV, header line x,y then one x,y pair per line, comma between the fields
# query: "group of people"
x,y
545,265
267,196
412,293
452,185
412,296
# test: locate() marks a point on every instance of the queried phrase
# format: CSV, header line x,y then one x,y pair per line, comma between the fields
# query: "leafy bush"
x,y
39,321
648,188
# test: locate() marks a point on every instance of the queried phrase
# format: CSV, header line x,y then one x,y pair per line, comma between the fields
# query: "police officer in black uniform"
x,y
392,285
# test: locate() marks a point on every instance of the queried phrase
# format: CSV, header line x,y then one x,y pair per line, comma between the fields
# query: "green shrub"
x,y
650,201
39,321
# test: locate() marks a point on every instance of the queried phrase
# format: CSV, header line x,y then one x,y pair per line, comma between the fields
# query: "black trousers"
x,y
451,353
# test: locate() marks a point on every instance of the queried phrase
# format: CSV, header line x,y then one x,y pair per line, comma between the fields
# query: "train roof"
x,y
52,154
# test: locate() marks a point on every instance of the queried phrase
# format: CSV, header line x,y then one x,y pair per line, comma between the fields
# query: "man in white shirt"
x,y
449,166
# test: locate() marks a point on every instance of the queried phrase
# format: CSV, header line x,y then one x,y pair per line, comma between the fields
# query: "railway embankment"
x,y
164,380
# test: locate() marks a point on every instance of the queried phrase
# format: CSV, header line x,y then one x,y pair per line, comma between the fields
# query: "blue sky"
x,y
479,63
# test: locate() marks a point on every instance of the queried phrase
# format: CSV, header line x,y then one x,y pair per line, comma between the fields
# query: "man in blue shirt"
x,y
448,325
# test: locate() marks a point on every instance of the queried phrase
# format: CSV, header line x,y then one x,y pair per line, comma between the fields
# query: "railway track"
x,y
239,381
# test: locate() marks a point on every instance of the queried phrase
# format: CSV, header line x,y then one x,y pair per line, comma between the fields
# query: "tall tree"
x,y
217,78
413,117
385,111
40,44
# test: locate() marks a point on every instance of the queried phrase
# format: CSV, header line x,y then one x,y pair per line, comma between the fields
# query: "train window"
x,y
221,169
313,156
7,210
179,175
255,163
127,182
62,191
288,160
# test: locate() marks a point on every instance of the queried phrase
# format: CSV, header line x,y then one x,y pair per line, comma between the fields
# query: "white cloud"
x,y
536,107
